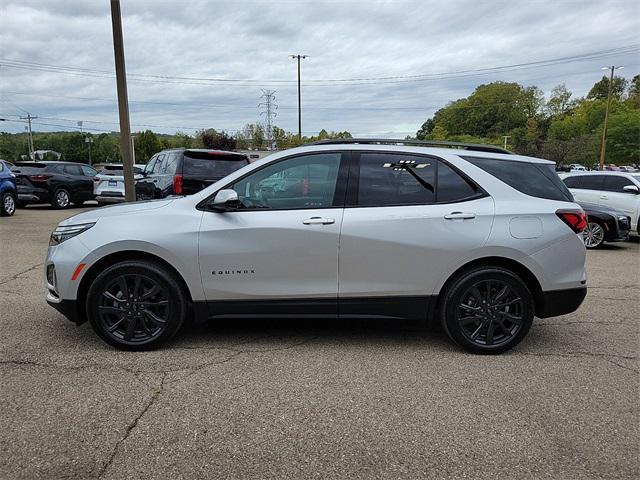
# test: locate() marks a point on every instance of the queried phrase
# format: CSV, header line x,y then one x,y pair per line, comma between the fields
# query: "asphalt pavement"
x,y
249,399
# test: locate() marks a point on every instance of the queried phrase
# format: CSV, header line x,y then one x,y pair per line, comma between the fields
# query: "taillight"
x,y
575,219
39,178
177,184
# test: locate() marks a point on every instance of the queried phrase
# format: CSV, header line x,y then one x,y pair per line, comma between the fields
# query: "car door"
x,y
146,186
408,218
75,181
585,188
87,183
613,195
279,249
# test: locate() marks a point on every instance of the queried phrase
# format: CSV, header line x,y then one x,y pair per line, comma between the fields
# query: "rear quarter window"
x,y
534,179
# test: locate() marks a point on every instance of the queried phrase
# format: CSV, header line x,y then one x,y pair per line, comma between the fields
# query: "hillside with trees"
x,y
561,128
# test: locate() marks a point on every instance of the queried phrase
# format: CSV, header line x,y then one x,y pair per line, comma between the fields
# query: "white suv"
x,y
478,238
618,190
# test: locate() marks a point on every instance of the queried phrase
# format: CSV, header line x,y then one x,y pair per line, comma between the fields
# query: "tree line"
x,y
561,128
105,147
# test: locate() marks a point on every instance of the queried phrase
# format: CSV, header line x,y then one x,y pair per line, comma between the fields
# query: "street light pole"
x,y
603,144
299,57
123,103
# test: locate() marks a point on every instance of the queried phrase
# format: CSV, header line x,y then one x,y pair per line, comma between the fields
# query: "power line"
x,y
632,48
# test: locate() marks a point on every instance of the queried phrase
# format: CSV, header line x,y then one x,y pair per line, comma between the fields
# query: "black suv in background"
x,y
58,183
186,171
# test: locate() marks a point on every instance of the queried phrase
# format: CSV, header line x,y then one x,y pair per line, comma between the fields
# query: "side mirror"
x,y
631,189
225,200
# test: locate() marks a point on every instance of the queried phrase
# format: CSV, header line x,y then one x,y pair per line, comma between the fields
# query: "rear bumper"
x,y
110,198
33,195
560,302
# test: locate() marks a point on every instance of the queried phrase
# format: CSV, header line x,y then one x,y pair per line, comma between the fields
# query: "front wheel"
x,y
136,305
7,204
593,235
487,310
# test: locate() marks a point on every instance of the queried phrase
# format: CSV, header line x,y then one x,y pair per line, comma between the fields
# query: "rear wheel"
x,y
136,305
7,204
593,235
487,310
61,198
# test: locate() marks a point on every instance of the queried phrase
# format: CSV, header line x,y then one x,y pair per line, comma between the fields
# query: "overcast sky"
x,y
57,59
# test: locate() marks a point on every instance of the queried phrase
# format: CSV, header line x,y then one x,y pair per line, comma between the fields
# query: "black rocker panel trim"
x,y
404,307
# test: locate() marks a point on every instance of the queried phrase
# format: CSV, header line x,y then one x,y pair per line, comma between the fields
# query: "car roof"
x,y
599,172
436,151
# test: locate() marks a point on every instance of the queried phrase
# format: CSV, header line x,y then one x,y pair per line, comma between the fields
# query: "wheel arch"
x,y
110,259
507,263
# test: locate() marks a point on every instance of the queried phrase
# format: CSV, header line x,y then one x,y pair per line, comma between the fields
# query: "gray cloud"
x,y
251,40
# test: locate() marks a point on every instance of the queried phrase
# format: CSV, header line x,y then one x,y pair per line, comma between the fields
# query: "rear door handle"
x,y
318,221
460,216
604,197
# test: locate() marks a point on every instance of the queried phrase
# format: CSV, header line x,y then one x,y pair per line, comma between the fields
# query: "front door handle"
x,y
460,216
319,221
604,197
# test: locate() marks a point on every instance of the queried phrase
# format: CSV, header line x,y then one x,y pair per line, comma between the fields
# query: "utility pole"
x,y
299,57
89,140
269,106
123,103
505,137
603,144
28,118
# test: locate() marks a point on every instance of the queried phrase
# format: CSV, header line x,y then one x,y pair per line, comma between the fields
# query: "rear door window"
x,y
388,179
88,171
585,182
535,179
73,170
171,164
159,165
452,187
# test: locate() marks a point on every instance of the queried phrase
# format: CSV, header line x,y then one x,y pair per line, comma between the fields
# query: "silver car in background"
x,y
108,184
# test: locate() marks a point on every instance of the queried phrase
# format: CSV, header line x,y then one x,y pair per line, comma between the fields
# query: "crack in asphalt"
x,y
132,426
622,366
580,354
16,275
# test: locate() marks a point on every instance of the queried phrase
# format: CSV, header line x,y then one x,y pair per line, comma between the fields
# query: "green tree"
x,y
211,138
600,89
425,129
560,102
623,137
146,145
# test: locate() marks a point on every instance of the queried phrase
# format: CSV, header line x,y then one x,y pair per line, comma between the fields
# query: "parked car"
x,y
57,183
8,192
576,167
604,224
108,184
186,171
627,169
612,168
477,238
616,190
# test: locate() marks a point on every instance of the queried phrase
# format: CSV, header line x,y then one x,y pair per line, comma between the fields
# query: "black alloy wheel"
x,y
488,310
136,305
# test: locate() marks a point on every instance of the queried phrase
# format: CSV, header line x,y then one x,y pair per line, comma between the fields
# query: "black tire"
x,y
463,313
7,204
61,198
593,235
134,323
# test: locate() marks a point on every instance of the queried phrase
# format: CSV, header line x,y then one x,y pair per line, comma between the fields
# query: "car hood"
x,y
116,210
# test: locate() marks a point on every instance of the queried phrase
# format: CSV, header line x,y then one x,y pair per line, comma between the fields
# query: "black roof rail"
x,y
423,143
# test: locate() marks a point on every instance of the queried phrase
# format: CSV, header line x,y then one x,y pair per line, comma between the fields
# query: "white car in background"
x,y
617,190
576,167
108,184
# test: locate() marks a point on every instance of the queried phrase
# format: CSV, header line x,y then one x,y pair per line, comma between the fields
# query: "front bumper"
x,y
560,302
68,308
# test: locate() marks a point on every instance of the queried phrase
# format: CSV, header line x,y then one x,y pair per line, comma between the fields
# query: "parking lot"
x,y
316,398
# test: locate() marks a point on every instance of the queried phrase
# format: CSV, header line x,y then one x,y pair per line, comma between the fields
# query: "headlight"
x,y
61,234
